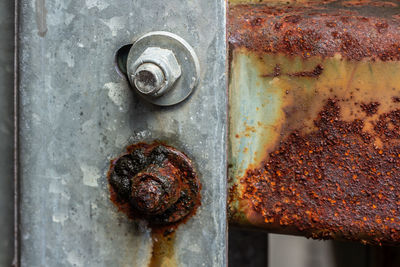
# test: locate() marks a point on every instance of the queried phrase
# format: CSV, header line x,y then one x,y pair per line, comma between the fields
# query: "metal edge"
x,y
16,261
227,74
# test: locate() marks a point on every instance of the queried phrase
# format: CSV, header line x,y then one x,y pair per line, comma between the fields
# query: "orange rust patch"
x,y
369,3
318,29
163,250
333,182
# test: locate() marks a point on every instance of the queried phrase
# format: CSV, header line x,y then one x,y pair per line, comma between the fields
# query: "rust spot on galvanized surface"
x,y
315,29
155,182
163,250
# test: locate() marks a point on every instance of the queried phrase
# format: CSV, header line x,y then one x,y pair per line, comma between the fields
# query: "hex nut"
x,y
181,76
155,71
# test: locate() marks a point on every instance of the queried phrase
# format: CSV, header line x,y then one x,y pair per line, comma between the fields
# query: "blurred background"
x,y
254,249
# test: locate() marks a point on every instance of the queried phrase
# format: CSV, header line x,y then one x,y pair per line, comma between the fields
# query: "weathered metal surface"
x,y
318,30
274,2
341,3
314,119
155,182
6,133
77,114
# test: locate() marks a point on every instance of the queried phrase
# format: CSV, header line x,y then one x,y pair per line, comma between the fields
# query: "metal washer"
x,y
185,56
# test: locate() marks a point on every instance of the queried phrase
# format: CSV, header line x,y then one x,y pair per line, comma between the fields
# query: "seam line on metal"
x,y
16,260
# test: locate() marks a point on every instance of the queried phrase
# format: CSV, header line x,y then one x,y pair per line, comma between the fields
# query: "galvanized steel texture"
x,y
77,114
314,118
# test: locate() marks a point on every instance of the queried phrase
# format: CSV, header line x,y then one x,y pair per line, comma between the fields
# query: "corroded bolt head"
x,y
156,189
154,182
147,195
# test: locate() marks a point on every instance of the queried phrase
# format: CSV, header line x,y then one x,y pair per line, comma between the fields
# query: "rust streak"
x,y
351,78
317,71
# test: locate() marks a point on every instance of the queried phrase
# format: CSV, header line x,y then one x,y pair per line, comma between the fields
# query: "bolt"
x,y
149,78
156,189
154,182
147,195
154,72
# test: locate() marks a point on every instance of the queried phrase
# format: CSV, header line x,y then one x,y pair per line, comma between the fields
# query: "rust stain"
x,y
370,108
313,29
156,183
284,2
344,3
138,164
163,251
322,133
317,71
360,3
314,73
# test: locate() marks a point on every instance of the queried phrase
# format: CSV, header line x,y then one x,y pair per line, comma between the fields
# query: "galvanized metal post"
x,y
77,113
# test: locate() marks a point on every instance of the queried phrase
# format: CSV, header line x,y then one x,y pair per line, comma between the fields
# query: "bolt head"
x,y
155,71
154,182
147,196
149,79
156,188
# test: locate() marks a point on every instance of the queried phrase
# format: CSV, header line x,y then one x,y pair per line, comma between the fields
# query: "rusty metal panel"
x,y
315,119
